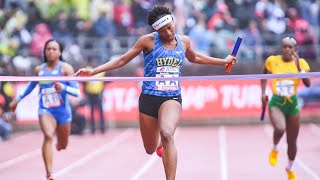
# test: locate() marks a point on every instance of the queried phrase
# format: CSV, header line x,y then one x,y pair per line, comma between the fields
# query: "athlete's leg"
x,y
92,121
149,130
48,126
101,113
169,115
63,132
278,122
292,130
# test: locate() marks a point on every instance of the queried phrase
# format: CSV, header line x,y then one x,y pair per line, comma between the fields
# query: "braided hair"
x,y
157,12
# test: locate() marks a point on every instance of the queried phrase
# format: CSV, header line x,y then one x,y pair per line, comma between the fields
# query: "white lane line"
x,y
268,129
106,147
17,137
20,158
315,129
150,162
146,167
307,169
223,152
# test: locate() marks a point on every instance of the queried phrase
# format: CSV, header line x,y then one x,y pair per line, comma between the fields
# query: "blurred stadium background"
x,y
96,31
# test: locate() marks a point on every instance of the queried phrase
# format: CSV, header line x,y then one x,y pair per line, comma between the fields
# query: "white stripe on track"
x,y
315,129
268,129
18,137
106,147
308,170
223,152
150,162
20,158
145,168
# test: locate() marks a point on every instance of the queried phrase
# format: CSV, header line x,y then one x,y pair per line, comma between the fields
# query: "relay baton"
x,y
234,53
264,110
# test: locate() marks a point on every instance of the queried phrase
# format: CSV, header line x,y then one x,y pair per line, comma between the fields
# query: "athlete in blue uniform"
x,y
54,108
160,101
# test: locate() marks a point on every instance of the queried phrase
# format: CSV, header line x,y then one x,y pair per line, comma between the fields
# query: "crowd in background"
x,y
102,29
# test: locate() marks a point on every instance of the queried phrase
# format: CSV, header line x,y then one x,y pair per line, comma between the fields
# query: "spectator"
x,y
252,41
74,23
244,13
104,29
305,40
220,37
198,36
101,4
123,17
276,22
221,14
60,29
94,91
41,35
34,17
5,126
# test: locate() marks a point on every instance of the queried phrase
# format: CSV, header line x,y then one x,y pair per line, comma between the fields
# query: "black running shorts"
x,y
150,105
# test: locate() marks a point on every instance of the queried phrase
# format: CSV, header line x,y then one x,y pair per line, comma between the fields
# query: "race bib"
x,y
50,98
285,88
167,71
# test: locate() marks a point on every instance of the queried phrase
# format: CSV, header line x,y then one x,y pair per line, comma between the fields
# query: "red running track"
x,y
205,153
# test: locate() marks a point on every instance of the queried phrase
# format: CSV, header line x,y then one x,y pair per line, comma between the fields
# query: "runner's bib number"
x,y
167,71
285,88
50,98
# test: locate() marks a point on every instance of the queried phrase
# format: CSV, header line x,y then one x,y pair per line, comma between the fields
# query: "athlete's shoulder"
x,y
185,41
65,65
66,69
304,64
148,37
37,69
274,58
183,37
145,43
303,60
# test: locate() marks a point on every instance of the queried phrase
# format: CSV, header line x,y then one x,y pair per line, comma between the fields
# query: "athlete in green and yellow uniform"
x,y
283,107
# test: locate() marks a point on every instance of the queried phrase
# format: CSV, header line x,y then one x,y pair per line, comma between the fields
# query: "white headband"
x,y
162,22
290,39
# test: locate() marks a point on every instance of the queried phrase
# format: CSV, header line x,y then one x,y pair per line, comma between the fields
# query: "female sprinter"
x,y
54,108
160,101
283,107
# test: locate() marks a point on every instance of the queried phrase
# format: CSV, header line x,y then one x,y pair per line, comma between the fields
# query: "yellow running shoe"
x,y
291,175
273,158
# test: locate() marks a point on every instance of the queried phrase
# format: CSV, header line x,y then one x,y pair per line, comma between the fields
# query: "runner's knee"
x,y
64,145
166,137
48,137
279,130
150,149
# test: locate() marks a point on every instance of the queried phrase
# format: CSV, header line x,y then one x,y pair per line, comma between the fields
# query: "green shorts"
x,y
289,106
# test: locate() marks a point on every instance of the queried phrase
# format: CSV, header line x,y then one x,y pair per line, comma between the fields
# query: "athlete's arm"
x,y
30,86
263,87
306,81
198,58
140,45
72,87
